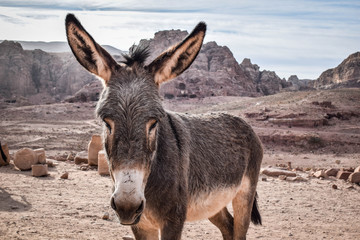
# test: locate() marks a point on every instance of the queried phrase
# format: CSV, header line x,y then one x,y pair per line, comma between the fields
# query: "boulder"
x,y
24,158
354,177
343,175
4,154
332,172
274,172
39,170
95,145
320,173
81,157
40,152
103,166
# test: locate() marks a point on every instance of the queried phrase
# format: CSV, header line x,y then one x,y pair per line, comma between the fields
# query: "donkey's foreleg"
x,y
225,222
145,234
242,205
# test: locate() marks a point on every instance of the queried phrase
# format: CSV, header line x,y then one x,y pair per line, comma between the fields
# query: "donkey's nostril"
x,y
113,203
140,208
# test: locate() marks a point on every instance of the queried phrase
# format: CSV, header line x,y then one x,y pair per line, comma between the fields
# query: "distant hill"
x,y
58,47
346,74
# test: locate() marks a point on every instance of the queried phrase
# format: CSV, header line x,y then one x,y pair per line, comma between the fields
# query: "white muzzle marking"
x,y
129,185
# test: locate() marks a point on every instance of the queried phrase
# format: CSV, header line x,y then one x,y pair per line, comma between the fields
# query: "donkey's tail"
x,y
255,214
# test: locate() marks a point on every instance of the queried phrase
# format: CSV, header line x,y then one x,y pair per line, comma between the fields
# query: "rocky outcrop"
x,y
346,74
39,76
215,71
295,84
266,82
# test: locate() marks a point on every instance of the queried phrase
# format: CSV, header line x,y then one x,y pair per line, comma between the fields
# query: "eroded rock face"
x,y
39,76
346,72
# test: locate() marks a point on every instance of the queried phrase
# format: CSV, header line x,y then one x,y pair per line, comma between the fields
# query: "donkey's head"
x,y
130,108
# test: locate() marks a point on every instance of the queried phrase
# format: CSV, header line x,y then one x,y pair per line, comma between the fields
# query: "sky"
x,y
303,37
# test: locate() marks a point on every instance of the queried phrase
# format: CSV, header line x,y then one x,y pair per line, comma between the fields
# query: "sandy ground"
x,y
54,208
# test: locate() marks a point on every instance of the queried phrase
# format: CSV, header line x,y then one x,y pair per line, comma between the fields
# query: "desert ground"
x,y
312,130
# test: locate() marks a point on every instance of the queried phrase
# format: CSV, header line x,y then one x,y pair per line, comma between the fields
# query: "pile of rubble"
x,y
283,172
35,160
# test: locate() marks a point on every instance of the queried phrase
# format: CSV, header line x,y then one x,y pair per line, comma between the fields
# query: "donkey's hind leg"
x,y
225,222
242,205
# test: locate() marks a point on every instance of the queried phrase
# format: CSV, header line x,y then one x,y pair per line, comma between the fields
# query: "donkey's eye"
x,y
108,126
153,125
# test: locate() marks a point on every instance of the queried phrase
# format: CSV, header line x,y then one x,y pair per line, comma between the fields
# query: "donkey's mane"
x,y
137,54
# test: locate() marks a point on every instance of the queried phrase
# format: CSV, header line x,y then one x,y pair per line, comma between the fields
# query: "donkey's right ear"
x,y
88,53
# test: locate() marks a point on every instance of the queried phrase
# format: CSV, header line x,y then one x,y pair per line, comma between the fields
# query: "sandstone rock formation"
x,y
81,157
39,170
24,158
94,146
346,73
37,75
103,166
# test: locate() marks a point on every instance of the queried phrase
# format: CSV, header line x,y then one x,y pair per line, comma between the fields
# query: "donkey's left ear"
x,y
178,58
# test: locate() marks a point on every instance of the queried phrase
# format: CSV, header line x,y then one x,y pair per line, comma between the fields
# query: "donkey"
x,y
168,168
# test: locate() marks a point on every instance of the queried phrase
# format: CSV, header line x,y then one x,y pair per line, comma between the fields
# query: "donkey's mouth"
x,y
137,220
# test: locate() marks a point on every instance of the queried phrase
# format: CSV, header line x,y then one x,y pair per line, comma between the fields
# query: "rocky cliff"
x,y
345,74
39,76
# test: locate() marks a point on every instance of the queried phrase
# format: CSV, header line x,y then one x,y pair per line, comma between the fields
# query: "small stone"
x,y
128,238
70,157
264,179
343,175
350,187
65,175
357,169
334,186
106,216
296,179
282,177
50,163
337,161
354,177
40,152
320,174
332,172
81,157
84,168
39,170
25,158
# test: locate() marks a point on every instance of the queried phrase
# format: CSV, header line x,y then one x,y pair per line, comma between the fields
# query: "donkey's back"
x,y
224,159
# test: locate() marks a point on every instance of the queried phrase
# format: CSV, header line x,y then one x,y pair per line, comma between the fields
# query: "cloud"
x,y
291,37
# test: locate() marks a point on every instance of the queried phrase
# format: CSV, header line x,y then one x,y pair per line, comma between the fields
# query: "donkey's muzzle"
x,y
129,213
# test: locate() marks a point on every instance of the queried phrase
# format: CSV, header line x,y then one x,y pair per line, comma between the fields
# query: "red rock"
x,y
65,175
320,174
39,170
81,157
40,152
343,175
332,172
24,158
103,166
273,172
354,177
95,145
